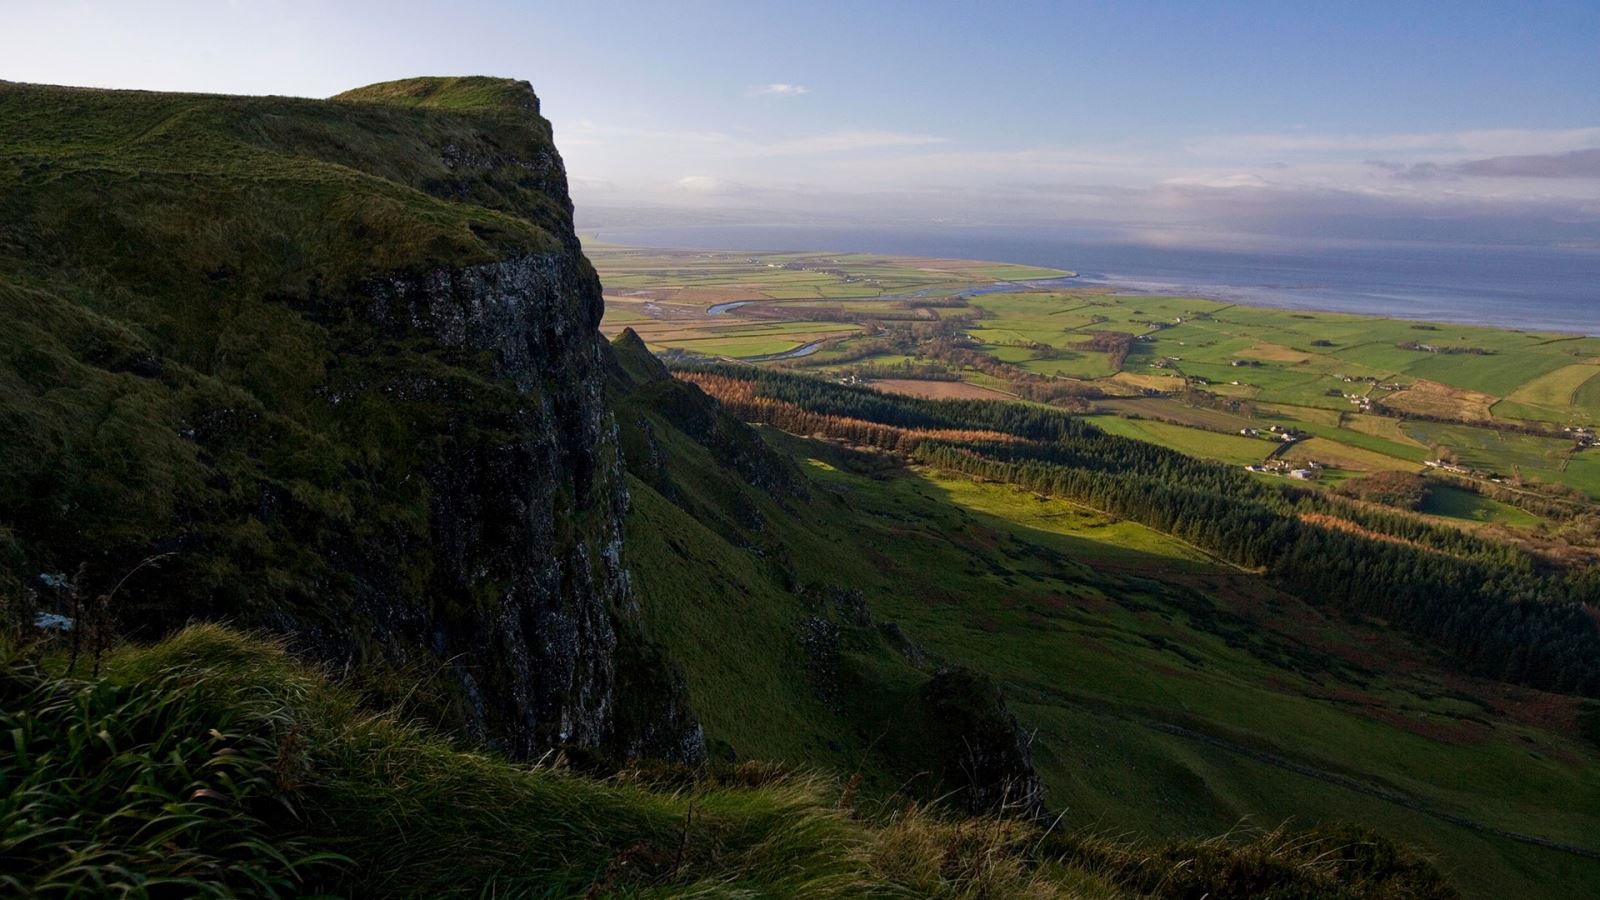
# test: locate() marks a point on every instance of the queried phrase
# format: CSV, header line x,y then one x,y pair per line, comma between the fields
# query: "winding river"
x,y
999,287
796,353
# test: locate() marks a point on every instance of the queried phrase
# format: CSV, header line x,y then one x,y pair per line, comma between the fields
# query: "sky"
x,y
1223,123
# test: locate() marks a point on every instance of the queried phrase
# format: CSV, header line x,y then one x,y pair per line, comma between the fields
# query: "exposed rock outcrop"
x,y
529,595
985,752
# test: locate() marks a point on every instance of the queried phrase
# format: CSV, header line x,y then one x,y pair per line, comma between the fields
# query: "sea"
x,y
1523,288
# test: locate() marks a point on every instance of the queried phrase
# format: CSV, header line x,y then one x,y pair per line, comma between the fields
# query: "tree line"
x,y
1488,604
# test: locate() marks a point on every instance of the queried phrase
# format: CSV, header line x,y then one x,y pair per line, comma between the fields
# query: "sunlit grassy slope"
x,y
1170,694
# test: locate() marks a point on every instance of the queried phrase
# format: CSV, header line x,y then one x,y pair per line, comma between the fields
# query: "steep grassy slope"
x,y
1166,693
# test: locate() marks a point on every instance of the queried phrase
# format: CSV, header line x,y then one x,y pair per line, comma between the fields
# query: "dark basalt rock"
x,y
985,752
529,598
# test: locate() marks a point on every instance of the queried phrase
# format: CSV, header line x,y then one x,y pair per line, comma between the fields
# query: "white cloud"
x,y
589,184
1292,186
700,184
1221,182
778,90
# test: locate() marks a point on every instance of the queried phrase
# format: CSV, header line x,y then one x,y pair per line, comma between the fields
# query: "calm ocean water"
x,y
1524,288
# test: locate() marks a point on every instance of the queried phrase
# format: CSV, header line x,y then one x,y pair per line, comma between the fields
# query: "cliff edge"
x,y
333,368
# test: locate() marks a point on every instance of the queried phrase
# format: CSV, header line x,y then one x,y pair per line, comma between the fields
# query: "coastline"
x,y
1511,289
1283,299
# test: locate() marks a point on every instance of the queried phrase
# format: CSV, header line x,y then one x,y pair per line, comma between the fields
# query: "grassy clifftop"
x,y
280,188
473,92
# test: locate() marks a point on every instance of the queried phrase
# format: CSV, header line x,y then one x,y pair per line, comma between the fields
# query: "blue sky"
x,y
1183,122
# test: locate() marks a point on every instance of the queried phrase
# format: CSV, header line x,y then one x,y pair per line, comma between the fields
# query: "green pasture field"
x,y
1554,394
1229,448
1403,455
1583,472
1483,448
1080,364
1008,353
1456,503
739,347
1182,414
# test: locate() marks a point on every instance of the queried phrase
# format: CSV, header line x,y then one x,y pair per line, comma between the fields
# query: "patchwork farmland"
x,y
1502,416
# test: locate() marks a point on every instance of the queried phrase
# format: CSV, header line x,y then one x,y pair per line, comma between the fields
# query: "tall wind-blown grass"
x,y
214,764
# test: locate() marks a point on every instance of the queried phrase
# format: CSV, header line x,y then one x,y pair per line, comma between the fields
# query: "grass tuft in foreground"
x,y
213,764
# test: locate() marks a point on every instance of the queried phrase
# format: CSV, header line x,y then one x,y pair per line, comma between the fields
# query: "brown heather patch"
x,y
1556,713
1461,732
1324,520
938,390
1430,398
1071,601
740,398
1169,670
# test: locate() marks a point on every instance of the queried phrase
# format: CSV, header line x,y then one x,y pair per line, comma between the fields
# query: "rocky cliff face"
x,y
529,600
375,419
